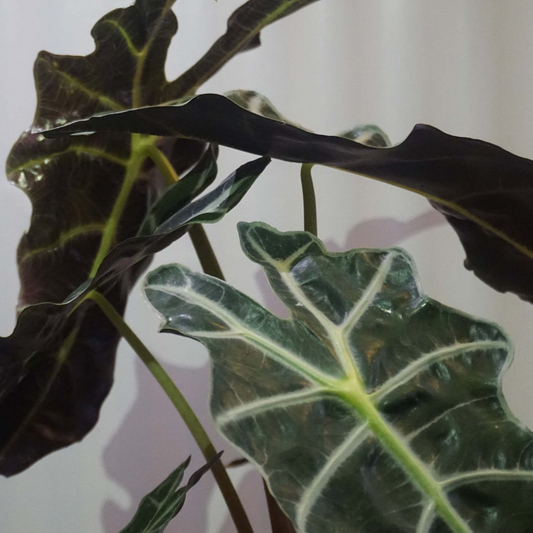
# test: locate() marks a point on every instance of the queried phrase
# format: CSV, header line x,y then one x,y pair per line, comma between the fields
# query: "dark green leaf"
x,y
485,192
242,34
373,408
161,506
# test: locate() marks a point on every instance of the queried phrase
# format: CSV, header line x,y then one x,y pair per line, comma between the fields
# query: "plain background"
x,y
461,65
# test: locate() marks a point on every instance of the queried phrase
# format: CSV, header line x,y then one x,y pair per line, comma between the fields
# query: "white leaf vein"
x,y
322,479
429,359
280,401
272,349
489,474
426,518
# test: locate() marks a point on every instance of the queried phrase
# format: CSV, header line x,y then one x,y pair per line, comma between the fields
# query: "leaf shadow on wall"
x,y
382,232
153,440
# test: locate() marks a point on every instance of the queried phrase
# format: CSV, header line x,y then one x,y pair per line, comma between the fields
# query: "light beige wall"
x,y
461,65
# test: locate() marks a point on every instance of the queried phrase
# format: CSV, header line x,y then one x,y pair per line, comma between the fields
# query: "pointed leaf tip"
x,y
158,508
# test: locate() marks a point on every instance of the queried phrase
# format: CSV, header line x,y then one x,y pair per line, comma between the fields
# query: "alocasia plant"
x,y
90,194
374,408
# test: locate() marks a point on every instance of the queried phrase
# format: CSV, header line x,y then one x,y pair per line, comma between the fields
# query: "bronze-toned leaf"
x,y
91,196
485,192
88,194
74,184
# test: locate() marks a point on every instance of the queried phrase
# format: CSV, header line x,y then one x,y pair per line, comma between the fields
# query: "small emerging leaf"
x,y
182,192
161,506
373,408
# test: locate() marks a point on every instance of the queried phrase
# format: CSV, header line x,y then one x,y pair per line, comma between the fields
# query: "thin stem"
x,y
278,520
184,409
200,241
309,197
163,164
205,252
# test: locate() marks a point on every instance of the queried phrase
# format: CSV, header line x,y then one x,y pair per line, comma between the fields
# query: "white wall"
x,y
461,65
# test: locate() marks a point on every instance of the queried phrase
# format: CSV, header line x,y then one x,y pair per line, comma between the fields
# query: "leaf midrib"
x,y
404,456
142,55
140,147
137,158
352,389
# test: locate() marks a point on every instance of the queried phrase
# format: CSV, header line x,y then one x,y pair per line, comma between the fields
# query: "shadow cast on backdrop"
x,y
153,440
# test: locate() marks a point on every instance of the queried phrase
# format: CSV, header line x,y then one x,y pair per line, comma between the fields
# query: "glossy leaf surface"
x,y
87,192
485,192
373,408
47,402
161,506
182,192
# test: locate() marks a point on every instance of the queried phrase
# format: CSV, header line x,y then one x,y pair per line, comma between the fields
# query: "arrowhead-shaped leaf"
x,y
88,195
373,408
161,506
485,192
